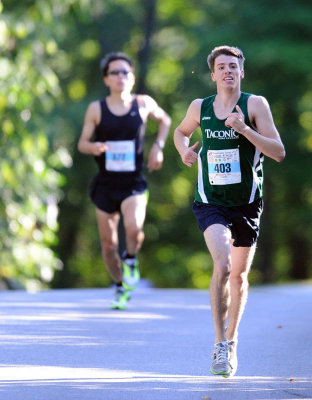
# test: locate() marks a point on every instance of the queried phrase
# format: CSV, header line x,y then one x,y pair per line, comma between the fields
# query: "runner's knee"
x,y
134,233
222,270
108,248
239,280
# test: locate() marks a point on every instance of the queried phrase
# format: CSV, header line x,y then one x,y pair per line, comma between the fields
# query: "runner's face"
x,y
227,72
120,76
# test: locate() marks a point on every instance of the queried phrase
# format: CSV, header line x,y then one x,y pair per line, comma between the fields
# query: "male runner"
x,y
237,130
113,132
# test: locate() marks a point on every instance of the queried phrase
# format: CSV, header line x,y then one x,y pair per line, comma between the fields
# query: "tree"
x,y
29,178
177,73
50,72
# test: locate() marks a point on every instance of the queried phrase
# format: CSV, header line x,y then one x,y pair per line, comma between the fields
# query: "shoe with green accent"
x,y
131,273
220,360
121,298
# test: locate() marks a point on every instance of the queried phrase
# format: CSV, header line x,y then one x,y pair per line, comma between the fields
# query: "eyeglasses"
x,y
118,71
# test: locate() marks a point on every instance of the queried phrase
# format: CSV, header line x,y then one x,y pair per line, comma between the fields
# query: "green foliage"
x,y
49,71
29,178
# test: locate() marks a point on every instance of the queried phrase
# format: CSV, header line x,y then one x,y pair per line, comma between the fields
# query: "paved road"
x,y
67,344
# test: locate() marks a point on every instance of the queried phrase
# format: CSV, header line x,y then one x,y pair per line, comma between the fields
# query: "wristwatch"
x,y
160,144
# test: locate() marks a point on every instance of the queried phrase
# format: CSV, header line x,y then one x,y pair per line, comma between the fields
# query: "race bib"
x,y
224,167
120,156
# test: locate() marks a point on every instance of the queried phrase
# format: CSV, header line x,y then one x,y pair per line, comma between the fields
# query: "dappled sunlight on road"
x,y
69,341
115,380
67,316
31,311
69,344
190,302
179,306
33,373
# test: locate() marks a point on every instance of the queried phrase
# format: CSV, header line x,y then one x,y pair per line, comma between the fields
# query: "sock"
x,y
127,255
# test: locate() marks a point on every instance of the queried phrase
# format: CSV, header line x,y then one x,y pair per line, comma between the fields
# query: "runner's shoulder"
x,y
195,108
146,101
257,101
94,111
196,104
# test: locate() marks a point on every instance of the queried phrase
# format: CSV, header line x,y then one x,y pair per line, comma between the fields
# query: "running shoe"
x,y
232,356
121,298
131,273
220,360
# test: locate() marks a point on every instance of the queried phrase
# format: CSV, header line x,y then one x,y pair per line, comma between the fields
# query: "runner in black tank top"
x,y
113,133
120,172
129,127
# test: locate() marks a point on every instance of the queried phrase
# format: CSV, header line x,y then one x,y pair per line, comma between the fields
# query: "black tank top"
x,y
126,128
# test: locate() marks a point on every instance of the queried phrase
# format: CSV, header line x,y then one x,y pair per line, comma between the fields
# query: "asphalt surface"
x,y
68,344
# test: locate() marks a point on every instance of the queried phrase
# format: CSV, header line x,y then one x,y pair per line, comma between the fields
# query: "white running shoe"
x,y
232,356
220,360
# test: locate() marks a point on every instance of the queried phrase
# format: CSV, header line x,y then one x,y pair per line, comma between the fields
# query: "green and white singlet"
x,y
230,169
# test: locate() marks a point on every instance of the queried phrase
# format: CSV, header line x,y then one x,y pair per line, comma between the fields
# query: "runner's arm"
x,y
85,144
266,137
184,131
156,157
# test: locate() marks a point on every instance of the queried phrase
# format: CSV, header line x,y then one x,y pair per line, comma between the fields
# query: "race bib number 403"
x,y
224,167
120,156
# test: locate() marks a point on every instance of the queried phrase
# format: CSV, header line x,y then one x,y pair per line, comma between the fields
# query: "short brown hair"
x,y
228,51
116,55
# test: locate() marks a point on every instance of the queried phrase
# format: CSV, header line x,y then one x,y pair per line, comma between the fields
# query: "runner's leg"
x,y
108,230
242,258
133,209
218,240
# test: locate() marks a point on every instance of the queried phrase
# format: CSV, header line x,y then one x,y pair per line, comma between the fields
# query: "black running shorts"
x,y
108,195
243,221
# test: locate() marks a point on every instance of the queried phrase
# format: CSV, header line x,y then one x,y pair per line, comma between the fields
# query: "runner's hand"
x,y
190,156
155,159
99,148
236,120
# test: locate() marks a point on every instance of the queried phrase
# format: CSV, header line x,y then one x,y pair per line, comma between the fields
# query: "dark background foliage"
x,y
49,73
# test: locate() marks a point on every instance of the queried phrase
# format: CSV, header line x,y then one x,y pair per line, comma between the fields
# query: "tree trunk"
x,y
144,53
266,245
299,258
